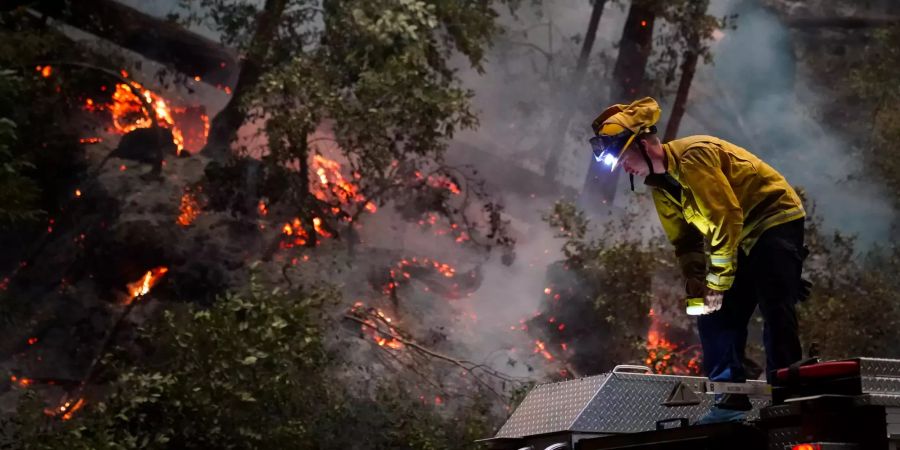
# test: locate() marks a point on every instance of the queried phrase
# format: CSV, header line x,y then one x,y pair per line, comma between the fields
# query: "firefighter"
x,y
737,228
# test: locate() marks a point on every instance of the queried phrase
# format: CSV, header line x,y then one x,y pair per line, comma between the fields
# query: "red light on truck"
x,y
807,447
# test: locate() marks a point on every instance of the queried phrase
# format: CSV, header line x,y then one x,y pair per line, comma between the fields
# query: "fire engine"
x,y
844,404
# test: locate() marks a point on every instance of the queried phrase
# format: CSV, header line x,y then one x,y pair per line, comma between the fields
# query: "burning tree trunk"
x,y
225,125
574,87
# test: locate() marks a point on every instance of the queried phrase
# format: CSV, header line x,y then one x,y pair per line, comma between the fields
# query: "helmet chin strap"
x,y
646,159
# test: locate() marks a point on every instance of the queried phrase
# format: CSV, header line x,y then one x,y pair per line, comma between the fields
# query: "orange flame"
x,y
374,318
333,184
45,71
190,209
262,208
540,347
66,410
664,356
128,113
329,186
142,286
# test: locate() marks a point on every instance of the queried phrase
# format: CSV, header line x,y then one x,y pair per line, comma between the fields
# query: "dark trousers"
x,y
769,277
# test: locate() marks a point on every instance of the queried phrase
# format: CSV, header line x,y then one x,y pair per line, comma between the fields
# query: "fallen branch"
x,y
466,365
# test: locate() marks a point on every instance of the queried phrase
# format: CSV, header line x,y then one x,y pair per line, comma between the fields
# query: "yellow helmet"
x,y
617,126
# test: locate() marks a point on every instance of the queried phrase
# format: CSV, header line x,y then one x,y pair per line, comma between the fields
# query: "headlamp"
x,y
607,149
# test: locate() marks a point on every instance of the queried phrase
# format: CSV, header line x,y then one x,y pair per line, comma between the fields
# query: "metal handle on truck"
x,y
630,368
661,424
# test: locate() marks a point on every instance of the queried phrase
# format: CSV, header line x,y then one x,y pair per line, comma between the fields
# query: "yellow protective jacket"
x,y
728,198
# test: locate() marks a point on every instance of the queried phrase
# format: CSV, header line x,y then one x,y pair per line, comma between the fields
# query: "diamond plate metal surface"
x,y
780,438
879,367
551,407
878,400
774,412
880,385
629,403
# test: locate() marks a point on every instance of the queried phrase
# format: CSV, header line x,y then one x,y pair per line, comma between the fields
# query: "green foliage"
x,y
18,193
877,82
250,372
39,153
853,309
373,77
686,28
615,270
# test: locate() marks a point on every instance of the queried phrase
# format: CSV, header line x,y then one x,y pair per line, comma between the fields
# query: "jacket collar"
x,y
666,181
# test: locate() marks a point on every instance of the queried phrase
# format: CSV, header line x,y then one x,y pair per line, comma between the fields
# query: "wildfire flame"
x,y
664,356
332,184
376,321
190,209
540,347
329,186
401,272
143,285
128,113
66,410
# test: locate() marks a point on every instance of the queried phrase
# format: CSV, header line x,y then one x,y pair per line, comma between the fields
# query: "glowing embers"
x,y
377,326
45,71
66,410
22,382
189,209
435,277
541,348
143,285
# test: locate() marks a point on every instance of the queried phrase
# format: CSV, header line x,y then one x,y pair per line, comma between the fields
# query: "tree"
x,y
40,157
876,83
574,85
648,60
695,28
852,309
603,290
370,81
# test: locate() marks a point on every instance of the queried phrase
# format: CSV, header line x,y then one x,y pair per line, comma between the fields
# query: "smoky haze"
x,y
755,94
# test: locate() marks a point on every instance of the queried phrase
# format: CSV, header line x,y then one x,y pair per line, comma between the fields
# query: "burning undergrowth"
x,y
615,299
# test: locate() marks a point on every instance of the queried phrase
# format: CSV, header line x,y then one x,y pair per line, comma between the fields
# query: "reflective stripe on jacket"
x,y
728,197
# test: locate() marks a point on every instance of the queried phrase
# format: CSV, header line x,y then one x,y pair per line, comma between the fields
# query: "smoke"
x,y
754,95
758,95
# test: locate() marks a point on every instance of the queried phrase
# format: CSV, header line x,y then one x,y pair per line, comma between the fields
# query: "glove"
x,y
712,301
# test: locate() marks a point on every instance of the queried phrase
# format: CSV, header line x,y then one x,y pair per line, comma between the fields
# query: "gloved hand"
x,y
712,301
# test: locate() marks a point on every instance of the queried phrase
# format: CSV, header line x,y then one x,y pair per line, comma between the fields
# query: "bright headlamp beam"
x,y
609,160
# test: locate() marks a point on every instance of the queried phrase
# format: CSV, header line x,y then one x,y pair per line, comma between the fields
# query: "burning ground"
x,y
451,290
423,303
